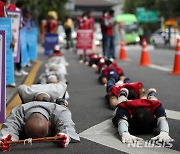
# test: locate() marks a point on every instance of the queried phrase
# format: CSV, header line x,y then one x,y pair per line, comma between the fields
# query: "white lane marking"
x,y
160,68
173,114
106,134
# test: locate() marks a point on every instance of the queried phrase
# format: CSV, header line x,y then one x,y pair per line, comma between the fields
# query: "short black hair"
x,y
111,12
132,95
142,121
19,4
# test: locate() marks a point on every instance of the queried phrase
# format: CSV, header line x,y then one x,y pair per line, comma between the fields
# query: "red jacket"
x,y
103,64
135,86
56,55
112,66
103,27
84,24
11,7
109,27
132,105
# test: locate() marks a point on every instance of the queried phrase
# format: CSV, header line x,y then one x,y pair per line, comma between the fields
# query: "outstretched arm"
x,y
163,126
13,124
126,137
64,123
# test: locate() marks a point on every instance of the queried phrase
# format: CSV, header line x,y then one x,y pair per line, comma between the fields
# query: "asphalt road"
x,y
92,115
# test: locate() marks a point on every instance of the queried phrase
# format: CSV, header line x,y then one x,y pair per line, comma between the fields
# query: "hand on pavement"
x,y
128,138
163,136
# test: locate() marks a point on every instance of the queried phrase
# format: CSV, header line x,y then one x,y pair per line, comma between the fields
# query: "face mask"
x,y
106,14
85,18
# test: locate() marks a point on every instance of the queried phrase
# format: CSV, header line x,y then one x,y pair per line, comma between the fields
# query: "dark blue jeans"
x,y
109,46
111,82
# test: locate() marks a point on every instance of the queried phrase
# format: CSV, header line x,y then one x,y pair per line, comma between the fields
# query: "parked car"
x,y
160,37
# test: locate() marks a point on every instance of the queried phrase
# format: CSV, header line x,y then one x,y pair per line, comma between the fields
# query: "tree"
x,y
166,8
40,8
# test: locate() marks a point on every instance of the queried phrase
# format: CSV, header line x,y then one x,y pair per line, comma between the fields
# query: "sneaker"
x,y
94,66
29,64
81,61
86,63
24,72
13,85
152,94
66,64
119,83
17,73
124,92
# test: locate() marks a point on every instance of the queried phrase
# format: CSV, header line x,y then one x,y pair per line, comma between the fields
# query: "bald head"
x,y
53,68
42,96
52,79
36,126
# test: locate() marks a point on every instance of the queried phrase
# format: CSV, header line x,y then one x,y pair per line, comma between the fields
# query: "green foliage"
x,y
166,8
40,8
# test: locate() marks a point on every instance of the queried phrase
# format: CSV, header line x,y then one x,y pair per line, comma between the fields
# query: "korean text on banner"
x,y
16,23
50,41
5,24
32,35
23,45
2,76
84,41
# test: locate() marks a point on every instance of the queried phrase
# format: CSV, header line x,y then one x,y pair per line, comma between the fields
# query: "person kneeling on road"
x,y
37,119
141,116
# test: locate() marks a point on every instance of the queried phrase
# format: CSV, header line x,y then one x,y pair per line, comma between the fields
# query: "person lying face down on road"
x,y
141,116
57,56
50,77
37,119
44,96
104,63
111,71
136,89
52,70
93,59
55,90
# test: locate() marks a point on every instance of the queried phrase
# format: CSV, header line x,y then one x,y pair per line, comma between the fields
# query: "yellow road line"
x,y
29,81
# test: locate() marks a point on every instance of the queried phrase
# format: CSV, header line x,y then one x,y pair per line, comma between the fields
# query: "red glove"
x,y
5,146
65,141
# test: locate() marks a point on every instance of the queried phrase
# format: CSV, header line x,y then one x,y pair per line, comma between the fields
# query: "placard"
x,y
50,41
32,35
5,25
23,45
84,41
16,23
2,76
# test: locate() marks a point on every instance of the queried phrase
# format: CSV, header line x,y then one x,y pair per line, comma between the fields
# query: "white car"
x,y
159,37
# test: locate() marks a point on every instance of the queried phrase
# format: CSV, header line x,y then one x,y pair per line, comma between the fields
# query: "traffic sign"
x,y
146,16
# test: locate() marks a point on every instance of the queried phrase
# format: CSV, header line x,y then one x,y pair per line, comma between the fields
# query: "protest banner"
x,y
5,25
23,46
32,35
50,41
84,41
2,76
16,23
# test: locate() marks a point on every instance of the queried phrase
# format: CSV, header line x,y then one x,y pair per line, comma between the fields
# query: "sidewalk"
x,y
11,91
